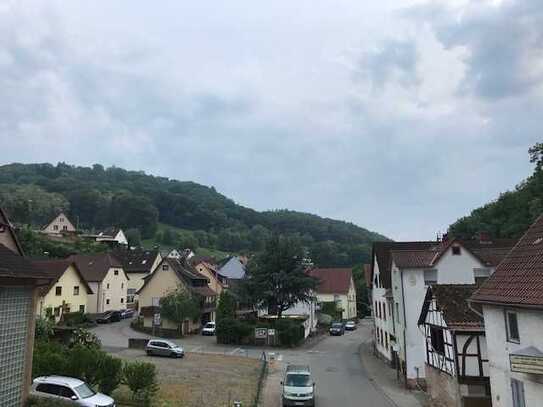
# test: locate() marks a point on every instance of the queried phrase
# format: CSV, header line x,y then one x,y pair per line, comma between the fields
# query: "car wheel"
x,y
149,353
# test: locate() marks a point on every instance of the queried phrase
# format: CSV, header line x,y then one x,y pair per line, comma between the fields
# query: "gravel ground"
x,y
202,379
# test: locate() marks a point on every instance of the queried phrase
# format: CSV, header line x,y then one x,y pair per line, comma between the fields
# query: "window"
x,y
122,286
122,300
164,267
430,277
55,227
58,290
384,312
438,342
511,323
107,286
130,293
81,308
66,392
107,301
116,272
375,309
386,341
57,311
517,388
76,290
64,227
398,311
61,220
456,251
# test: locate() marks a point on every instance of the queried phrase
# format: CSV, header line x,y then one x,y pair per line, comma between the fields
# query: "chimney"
x,y
484,237
445,237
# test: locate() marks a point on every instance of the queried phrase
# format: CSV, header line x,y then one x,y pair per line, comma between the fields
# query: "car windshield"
x,y
298,380
210,325
336,325
84,391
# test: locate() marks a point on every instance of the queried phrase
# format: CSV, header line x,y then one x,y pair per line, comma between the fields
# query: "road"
x,y
339,375
335,363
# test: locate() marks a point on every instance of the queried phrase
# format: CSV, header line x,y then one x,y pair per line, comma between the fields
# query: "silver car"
x,y
69,389
164,348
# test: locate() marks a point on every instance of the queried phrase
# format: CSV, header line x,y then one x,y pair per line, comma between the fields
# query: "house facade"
x,y
512,305
59,225
19,285
381,298
137,263
68,291
337,285
216,280
170,275
413,271
107,280
457,365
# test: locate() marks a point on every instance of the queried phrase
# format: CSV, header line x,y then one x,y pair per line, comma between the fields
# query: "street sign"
x,y
271,332
261,333
156,320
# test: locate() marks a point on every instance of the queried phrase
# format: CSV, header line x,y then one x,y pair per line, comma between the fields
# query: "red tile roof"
x,y
333,280
518,279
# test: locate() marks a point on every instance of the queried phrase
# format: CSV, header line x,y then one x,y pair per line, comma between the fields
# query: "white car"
x,y
209,329
69,389
350,326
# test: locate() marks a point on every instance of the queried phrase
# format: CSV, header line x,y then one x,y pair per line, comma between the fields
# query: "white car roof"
x,y
164,341
63,380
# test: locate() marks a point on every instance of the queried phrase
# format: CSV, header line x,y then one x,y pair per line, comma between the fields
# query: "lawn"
x,y
200,379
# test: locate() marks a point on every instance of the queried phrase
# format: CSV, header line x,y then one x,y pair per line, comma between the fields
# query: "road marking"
x,y
235,351
197,349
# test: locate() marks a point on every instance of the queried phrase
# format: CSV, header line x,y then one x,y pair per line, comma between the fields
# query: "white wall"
x,y
531,334
457,269
384,326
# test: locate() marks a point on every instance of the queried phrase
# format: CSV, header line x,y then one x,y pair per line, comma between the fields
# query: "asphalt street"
x,y
341,380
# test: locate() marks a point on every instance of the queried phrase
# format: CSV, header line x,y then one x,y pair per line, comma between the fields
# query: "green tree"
x,y
277,278
536,155
362,293
179,306
133,236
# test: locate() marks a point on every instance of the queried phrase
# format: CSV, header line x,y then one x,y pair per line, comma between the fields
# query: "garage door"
x,y
15,309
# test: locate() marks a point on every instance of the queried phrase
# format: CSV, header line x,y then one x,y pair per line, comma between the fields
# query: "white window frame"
x,y
517,393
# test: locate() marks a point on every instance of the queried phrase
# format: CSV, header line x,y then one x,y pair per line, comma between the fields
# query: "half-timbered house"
x,y
456,351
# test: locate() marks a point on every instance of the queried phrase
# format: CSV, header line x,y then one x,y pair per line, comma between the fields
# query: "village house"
x,y
336,285
512,305
107,280
19,285
59,225
450,261
112,235
137,263
381,298
68,291
205,267
172,274
456,352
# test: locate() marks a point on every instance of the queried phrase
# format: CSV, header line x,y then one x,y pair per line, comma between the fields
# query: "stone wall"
x,y
443,389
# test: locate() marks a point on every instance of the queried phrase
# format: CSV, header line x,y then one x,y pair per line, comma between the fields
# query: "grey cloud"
x,y
393,60
504,44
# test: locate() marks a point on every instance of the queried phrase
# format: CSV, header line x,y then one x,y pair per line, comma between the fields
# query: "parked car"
x,y
337,328
126,313
69,389
209,329
164,348
109,316
297,387
350,326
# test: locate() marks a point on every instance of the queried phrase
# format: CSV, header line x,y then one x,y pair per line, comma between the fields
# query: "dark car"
x,y
126,313
337,328
109,316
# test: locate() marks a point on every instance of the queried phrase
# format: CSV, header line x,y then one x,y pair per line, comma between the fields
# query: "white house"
x,y
456,352
60,224
112,235
447,262
106,278
381,295
337,285
512,304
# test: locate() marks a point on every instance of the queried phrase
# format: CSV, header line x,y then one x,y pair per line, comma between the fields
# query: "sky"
x,y
400,115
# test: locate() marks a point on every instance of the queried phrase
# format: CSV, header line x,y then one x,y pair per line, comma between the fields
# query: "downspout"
x,y
474,310
404,329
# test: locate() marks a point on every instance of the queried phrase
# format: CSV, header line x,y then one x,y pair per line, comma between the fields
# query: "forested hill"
x,y
97,197
513,212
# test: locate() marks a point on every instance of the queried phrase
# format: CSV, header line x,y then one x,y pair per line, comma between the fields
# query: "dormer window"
x,y
164,267
456,251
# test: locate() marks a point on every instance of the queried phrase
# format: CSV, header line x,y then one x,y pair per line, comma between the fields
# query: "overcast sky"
x,y
397,115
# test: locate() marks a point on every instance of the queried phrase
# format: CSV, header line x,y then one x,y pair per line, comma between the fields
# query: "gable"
x,y
7,235
58,224
160,283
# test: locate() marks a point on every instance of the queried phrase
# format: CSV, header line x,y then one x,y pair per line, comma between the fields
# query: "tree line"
x,y
97,197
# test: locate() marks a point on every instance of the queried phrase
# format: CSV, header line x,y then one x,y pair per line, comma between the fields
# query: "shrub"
x,y
232,331
44,328
110,373
33,401
290,332
85,338
140,377
49,358
75,318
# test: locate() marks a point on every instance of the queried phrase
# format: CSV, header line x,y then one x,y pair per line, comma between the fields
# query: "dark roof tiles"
x,y
332,280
